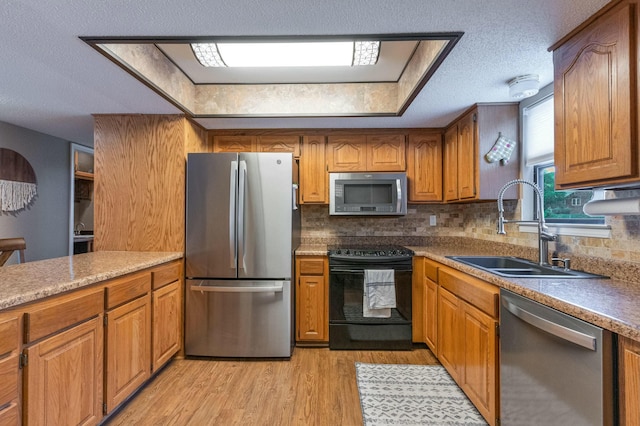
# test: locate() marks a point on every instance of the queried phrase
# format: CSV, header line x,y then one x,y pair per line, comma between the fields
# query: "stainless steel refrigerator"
x,y
242,225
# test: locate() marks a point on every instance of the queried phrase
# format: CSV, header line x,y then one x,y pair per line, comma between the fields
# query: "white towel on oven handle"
x,y
373,313
380,288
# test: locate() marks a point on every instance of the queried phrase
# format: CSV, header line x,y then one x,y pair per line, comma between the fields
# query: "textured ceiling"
x,y
51,81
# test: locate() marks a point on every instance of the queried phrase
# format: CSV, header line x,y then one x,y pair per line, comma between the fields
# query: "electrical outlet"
x,y
432,220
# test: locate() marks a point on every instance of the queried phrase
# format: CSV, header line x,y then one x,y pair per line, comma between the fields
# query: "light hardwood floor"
x,y
316,387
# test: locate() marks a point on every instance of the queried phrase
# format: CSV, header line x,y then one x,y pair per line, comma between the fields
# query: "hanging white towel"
x,y
379,294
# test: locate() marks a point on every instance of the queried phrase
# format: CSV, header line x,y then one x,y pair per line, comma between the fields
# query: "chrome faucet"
x,y
78,228
544,235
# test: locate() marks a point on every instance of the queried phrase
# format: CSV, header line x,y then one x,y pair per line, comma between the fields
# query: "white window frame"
x,y
570,229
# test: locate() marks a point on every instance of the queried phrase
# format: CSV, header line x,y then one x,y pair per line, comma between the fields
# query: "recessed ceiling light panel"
x,y
208,54
288,54
366,52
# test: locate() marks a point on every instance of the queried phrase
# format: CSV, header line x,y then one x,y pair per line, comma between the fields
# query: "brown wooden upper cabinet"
x,y
235,143
280,144
253,143
467,175
313,171
424,167
366,153
595,98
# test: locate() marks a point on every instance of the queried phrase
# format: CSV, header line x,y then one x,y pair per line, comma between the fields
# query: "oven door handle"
x,y
348,271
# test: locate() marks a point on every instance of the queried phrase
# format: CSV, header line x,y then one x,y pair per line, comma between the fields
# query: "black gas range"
x,y
351,324
370,256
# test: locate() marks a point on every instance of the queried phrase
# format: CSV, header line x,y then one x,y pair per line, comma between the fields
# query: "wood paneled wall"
x,y
140,180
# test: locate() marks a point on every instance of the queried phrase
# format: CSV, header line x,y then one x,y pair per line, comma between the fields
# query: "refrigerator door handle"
x,y
241,207
399,203
215,289
233,183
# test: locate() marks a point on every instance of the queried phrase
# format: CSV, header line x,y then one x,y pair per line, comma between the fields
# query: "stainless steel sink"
x,y
515,267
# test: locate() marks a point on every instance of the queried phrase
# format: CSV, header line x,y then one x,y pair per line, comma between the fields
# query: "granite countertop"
x,y
612,304
31,281
608,303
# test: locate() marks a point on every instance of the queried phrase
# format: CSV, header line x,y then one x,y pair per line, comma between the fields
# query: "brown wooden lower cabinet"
x,y
63,377
84,352
312,300
417,301
449,332
10,415
479,360
430,297
9,371
460,327
128,350
629,380
167,324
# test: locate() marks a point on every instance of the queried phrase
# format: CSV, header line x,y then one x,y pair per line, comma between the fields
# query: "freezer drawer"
x,y
244,319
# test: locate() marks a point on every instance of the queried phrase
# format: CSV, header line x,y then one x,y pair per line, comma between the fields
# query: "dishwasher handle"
x,y
568,334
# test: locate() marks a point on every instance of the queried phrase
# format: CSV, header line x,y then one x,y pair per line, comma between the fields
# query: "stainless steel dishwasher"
x,y
554,369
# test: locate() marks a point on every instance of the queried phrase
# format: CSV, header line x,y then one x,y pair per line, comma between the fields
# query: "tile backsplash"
x,y
474,220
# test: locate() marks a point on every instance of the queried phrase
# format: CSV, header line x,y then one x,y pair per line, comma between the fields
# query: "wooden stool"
x,y
8,246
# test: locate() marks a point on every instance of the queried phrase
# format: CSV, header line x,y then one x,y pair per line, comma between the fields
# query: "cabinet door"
x,y
450,164
63,377
417,300
478,374
431,314
9,372
279,144
313,171
234,144
128,351
167,323
629,378
467,156
449,332
386,153
424,167
9,415
597,68
347,153
311,302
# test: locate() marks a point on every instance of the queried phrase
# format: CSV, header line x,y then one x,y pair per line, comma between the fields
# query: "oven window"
x,y
346,298
368,193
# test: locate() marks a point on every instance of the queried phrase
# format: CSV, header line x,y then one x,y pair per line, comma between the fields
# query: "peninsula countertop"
x,y
613,304
32,281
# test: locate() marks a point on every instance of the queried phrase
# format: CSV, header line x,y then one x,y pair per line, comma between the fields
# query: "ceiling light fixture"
x,y
312,54
524,86
208,54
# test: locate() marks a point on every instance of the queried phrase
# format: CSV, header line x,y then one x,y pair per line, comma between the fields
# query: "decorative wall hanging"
x,y
18,185
501,150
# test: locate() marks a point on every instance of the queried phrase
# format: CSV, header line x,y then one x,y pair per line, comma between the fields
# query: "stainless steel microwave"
x,y
368,194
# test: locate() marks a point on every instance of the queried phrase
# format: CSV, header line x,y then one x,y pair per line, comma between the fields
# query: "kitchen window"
x,y
563,210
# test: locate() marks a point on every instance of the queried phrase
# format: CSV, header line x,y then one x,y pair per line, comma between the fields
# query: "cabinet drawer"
x,y
59,313
431,270
8,336
480,294
9,415
8,379
124,289
311,266
165,274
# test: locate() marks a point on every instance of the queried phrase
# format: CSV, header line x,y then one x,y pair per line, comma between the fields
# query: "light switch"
x,y
432,220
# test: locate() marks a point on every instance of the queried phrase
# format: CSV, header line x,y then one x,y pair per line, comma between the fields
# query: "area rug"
x,y
392,394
